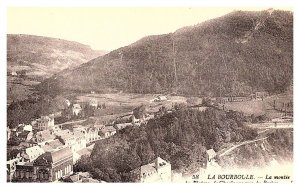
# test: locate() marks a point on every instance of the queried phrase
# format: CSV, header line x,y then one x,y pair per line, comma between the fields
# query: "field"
x,y
124,103
259,107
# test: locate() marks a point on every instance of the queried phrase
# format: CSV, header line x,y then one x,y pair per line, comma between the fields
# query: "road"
x,y
71,122
238,145
271,125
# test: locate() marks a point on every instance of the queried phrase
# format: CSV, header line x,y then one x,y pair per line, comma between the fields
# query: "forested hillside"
x,y
235,54
181,138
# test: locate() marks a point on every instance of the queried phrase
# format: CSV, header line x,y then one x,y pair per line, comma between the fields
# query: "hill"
x,y
181,137
31,59
235,54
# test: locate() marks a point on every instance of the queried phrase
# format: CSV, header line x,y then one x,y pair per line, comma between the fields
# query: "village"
x,y
47,149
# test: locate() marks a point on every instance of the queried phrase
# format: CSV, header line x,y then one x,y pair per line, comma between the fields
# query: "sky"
x,y
108,28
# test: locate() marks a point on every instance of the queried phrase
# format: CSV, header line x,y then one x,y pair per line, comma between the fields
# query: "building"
x,y
157,171
121,126
211,154
24,127
53,145
159,98
24,172
260,95
93,103
76,109
136,122
8,132
199,108
108,131
149,116
11,166
31,153
82,177
25,136
49,167
67,102
52,166
44,136
45,122
91,132
75,140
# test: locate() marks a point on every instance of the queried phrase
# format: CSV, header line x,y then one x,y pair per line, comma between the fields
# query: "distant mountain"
x,y
31,59
44,56
235,54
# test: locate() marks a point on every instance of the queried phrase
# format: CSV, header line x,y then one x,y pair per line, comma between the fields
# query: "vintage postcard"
x,y
150,95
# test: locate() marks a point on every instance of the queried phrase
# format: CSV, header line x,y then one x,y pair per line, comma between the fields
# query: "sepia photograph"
x,y
149,94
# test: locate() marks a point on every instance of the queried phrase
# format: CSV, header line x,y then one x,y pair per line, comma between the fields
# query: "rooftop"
x,y
211,152
53,157
54,144
109,129
45,135
76,106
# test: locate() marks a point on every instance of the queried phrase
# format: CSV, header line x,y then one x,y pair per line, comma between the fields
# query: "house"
x,y
211,154
136,122
199,108
260,95
45,122
75,140
76,109
53,145
44,136
157,171
108,131
24,127
159,98
57,114
93,103
91,132
27,144
25,136
80,141
223,100
121,126
67,102
31,153
149,116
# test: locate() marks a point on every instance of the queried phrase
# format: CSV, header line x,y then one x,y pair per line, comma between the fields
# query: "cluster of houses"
x,y
47,152
51,150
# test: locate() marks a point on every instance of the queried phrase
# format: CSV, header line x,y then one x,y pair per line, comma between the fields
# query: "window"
x,y
22,174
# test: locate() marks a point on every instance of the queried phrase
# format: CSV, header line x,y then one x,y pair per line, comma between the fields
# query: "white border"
x,y
138,3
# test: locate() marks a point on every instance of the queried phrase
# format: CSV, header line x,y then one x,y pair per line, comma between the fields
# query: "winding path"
x,y
238,145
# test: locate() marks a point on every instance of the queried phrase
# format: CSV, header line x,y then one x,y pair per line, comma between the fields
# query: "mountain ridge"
x,y
235,54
